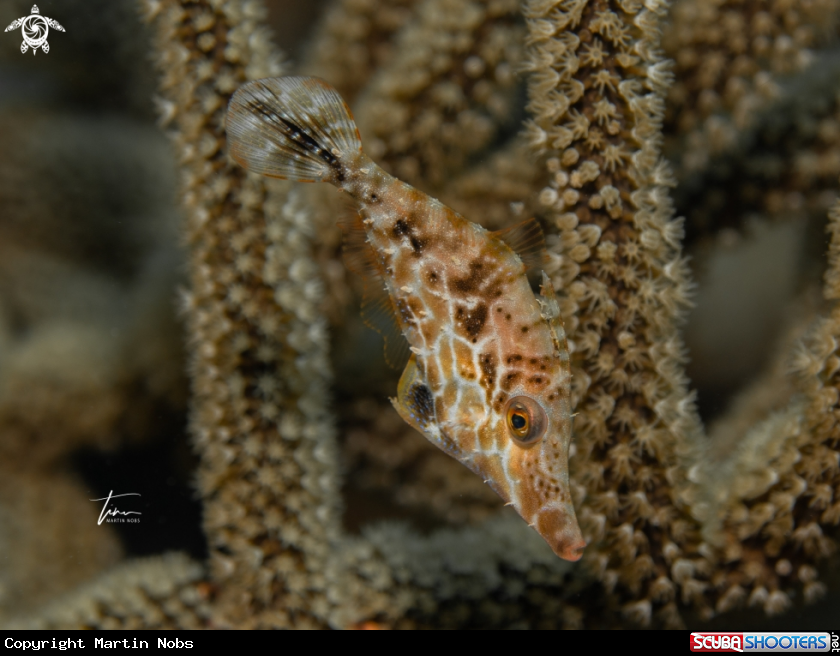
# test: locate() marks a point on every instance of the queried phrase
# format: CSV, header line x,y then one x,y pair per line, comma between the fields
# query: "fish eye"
x,y
526,420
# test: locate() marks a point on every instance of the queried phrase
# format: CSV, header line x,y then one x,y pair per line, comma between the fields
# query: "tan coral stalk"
x,y
354,39
773,505
732,59
161,592
447,93
674,526
597,84
258,342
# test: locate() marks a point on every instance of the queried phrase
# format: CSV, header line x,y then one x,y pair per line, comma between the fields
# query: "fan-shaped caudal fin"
x,y
291,127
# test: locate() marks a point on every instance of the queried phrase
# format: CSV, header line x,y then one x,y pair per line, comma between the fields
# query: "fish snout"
x,y
570,550
559,527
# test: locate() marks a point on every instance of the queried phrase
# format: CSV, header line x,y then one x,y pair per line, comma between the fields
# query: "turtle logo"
x,y
35,29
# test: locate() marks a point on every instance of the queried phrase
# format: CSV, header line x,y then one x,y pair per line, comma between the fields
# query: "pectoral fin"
x,y
414,401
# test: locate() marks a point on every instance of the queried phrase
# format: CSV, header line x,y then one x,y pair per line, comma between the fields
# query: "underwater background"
x,y
173,328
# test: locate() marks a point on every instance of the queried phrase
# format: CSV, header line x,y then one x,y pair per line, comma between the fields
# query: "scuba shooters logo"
x,y
799,642
35,29
717,642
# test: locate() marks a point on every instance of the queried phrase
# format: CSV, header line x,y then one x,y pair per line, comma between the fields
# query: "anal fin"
x,y
358,255
378,311
526,239
379,314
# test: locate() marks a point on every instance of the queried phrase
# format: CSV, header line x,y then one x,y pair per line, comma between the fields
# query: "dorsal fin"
x,y
550,311
378,312
526,239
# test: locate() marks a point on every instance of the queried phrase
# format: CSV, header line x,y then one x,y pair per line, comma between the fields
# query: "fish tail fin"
x,y
297,128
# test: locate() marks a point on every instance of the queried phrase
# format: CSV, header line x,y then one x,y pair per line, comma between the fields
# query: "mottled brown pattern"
x,y
449,327
472,320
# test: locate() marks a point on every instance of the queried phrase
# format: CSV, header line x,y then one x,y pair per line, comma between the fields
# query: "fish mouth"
x,y
559,527
570,551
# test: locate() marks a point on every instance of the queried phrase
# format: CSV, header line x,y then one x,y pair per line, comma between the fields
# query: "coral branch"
x,y
732,60
163,592
596,93
682,525
260,374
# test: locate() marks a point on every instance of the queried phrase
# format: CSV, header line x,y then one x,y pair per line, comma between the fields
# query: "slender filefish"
x,y
488,375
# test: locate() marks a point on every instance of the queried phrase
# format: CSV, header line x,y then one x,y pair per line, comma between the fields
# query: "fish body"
x,y
488,378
